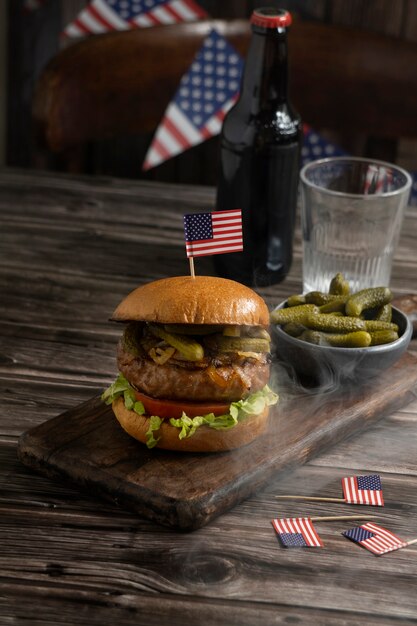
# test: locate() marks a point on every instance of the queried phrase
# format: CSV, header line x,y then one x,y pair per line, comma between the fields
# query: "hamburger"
x,y
194,364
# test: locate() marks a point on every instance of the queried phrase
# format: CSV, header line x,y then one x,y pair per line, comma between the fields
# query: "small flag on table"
x,y
297,532
375,538
102,16
356,489
363,490
206,92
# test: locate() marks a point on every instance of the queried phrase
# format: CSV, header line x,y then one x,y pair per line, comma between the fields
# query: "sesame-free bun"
x,y
194,300
205,439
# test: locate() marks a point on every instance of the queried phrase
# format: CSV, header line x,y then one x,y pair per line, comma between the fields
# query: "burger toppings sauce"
x,y
200,345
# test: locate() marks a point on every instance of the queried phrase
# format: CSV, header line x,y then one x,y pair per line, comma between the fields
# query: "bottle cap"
x,y
269,17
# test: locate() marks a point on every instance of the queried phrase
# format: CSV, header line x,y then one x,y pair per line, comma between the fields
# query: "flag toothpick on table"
x,y
103,16
205,93
363,490
297,532
356,490
218,232
376,539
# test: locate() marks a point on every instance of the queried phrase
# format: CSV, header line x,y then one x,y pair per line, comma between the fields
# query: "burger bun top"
x,y
194,300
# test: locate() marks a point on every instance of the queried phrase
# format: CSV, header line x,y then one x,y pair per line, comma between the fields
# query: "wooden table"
x,y
71,249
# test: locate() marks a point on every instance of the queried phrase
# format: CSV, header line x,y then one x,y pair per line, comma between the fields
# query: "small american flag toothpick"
x,y
297,532
363,490
356,490
376,539
218,232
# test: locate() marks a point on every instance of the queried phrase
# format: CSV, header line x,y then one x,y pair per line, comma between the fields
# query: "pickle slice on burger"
x,y
194,364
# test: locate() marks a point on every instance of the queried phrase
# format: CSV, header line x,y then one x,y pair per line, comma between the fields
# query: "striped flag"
x,y
213,233
205,94
297,532
363,490
375,538
316,147
378,180
102,16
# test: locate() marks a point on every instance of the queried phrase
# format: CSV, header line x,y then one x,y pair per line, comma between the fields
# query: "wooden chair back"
x,y
344,80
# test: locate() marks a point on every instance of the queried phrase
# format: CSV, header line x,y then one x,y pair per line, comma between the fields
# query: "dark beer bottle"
x,y
260,156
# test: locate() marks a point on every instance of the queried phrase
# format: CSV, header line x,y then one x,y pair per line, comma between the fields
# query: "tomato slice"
x,y
174,408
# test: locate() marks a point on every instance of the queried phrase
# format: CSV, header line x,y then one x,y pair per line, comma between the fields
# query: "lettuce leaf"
x,y
187,426
121,387
238,411
154,425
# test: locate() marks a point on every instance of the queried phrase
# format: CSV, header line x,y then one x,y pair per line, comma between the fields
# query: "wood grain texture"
x,y
71,249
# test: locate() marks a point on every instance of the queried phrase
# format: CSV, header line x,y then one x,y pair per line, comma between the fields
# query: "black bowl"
x,y
356,364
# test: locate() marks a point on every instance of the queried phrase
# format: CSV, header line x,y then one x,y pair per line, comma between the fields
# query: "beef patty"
x,y
216,381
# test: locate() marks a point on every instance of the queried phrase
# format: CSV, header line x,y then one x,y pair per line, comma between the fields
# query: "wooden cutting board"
x,y
185,491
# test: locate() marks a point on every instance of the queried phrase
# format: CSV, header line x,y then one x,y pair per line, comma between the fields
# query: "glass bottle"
x,y
260,158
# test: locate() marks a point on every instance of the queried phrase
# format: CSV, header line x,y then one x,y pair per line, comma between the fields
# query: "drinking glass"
x,y
351,217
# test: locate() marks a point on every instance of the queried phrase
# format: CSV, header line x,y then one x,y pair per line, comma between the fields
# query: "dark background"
x,y
33,38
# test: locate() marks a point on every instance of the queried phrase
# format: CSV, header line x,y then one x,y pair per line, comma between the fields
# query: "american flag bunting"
x,y
363,490
205,94
218,232
102,16
297,532
316,147
375,538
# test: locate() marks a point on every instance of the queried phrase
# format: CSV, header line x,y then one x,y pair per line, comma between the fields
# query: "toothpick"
x,y
336,518
310,498
191,259
409,543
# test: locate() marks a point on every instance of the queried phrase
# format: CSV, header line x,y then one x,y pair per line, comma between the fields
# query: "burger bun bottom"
x,y
205,439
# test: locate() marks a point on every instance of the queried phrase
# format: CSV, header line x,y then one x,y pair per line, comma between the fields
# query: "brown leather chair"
x,y
355,83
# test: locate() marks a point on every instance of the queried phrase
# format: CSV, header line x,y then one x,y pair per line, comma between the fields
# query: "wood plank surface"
x,y
71,248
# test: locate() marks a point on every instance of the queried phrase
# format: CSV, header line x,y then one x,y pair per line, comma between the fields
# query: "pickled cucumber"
x,y
367,299
232,331
333,323
339,318
339,286
130,338
293,314
296,300
293,329
357,339
384,313
256,331
335,305
220,343
191,350
374,325
319,298
379,337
